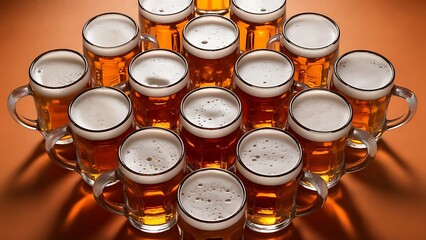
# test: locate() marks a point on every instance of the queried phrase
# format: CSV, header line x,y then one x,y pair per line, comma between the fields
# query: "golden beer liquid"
x,y
212,6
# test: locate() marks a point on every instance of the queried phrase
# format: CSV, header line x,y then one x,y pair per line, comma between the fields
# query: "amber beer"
x,y
366,79
212,6
165,21
56,77
269,163
110,41
158,81
211,47
211,205
151,166
311,40
99,119
321,121
258,21
210,126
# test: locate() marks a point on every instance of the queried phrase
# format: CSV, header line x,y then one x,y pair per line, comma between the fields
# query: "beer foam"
x,y
363,75
110,34
210,36
264,73
210,112
269,156
148,75
211,199
310,35
320,115
100,113
59,72
166,11
151,155
258,11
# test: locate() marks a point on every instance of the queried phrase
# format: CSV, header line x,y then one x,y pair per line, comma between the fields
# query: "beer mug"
x,y
99,119
311,40
211,205
321,120
263,80
165,21
110,41
220,7
158,81
210,126
211,47
258,21
269,163
56,77
151,166
366,79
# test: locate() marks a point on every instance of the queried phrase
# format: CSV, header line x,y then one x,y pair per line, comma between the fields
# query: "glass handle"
x,y
123,86
50,142
322,193
151,39
272,40
98,192
411,100
13,98
299,86
371,145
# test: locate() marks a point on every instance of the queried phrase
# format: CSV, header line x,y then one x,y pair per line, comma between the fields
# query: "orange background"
x,y
39,200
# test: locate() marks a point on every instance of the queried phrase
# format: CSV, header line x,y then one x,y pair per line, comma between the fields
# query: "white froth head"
x,y
264,73
110,34
310,35
211,112
269,156
363,75
320,115
158,73
166,11
211,36
258,11
100,113
211,199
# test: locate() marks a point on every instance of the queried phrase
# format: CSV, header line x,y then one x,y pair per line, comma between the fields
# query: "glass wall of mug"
x,y
210,126
110,41
211,47
220,7
99,119
257,21
366,79
165,20
56,77
311,40
321,120
211,205
269,163
151,166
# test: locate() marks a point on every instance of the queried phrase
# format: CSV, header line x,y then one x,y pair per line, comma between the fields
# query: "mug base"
x,y
152,228
267,228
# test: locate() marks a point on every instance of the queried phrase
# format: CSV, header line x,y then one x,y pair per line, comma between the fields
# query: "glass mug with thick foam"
x,y
56,77
321,120
99,119
210,126
269,163
220,7
151,166
165,20
311,40
366,79
211,205
211,47
258,21
110,41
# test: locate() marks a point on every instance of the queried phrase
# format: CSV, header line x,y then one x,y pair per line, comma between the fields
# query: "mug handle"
x,y
322,192
13,98
148,38
123,86
371,146
272,40
411,100
50,142
101,182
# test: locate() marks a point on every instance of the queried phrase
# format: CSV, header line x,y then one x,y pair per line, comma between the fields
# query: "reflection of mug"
x,y
211,205
212,6
56,77
320,119
151,166
311,40
269,163
99,119
366,79
258,21
110,41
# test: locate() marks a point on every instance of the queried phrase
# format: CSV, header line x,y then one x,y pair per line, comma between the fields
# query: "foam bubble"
x,y
258,11
166,11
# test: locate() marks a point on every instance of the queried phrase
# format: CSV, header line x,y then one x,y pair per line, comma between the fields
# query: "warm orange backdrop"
x,y
38,200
